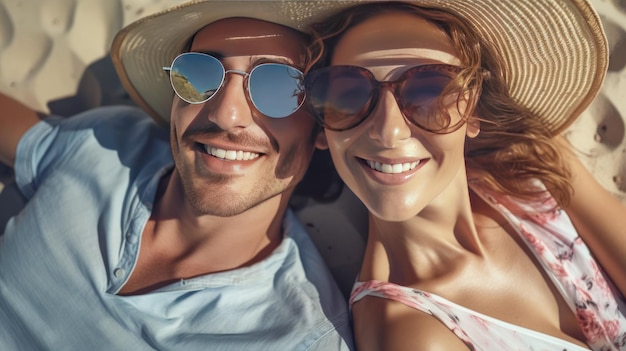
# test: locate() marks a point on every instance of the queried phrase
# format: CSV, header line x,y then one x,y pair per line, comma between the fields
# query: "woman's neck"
x,y
433,242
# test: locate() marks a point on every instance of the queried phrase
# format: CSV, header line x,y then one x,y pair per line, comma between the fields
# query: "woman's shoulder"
x,y
390,325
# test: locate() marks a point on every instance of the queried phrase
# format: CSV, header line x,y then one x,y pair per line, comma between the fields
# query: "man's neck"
x,y
177,243
245,234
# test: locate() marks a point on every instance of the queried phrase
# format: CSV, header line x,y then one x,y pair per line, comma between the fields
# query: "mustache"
x,y
214,132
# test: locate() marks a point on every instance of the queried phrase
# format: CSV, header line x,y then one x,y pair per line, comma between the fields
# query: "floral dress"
x,y
599,307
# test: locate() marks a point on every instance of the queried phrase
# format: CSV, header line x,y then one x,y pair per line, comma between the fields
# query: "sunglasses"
x,y
276,90
341,97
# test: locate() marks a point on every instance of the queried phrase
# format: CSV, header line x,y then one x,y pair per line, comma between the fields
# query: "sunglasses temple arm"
x,y
167,69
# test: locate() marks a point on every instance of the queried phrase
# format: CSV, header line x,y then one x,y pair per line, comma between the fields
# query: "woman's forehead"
x,y
395,36
400,56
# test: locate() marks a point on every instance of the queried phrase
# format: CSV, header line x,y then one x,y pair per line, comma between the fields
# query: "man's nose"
x,y
231,108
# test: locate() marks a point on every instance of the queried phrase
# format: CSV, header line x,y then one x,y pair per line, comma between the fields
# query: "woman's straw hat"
x,y
556,50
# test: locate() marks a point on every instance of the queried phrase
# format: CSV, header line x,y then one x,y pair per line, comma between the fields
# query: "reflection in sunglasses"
x,y
183,87
275,89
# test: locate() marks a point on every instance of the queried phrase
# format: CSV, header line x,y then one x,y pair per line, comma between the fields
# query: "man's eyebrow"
x,y
254,59
258,59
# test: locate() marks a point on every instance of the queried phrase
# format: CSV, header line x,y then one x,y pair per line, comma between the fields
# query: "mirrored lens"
x,y
276,90
196,76
339,96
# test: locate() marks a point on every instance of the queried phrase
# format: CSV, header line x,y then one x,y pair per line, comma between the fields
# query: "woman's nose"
x,y
388,124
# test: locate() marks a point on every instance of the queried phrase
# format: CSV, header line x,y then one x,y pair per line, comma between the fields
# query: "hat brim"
x,y
556,51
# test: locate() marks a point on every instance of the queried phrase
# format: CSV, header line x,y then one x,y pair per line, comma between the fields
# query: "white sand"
x,y
53,58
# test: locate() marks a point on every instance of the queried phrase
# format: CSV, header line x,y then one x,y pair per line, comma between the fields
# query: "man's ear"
x,y
473,127
320,141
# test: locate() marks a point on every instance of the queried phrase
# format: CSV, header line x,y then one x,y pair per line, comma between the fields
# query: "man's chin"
x,y
218,207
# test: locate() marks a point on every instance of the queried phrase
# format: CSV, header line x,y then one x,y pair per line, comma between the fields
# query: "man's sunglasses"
x,y
276,90
341,97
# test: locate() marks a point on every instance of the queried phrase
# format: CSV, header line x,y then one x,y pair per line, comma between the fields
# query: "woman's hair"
x,y
513,146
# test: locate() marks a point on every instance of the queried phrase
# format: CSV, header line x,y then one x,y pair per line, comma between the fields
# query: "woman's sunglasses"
x,y
341,97
276,90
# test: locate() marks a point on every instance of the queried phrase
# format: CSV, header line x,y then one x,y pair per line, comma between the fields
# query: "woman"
x,y
443,119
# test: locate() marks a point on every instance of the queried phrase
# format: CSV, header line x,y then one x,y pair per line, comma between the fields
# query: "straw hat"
x,y
556,50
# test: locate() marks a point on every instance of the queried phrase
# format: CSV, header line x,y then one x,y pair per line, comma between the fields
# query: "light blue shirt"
x,y
90,181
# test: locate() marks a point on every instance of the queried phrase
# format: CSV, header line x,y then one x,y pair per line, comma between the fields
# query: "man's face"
x,y
273,153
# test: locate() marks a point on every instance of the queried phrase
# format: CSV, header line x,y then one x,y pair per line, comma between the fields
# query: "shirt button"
x,y
118,273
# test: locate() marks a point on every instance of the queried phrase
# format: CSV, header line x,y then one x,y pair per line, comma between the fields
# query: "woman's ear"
x,y
320,141
473,127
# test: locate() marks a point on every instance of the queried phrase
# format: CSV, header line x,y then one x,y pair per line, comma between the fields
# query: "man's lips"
x,y
231,155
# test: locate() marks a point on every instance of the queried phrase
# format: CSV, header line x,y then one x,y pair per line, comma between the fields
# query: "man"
x,y
134,240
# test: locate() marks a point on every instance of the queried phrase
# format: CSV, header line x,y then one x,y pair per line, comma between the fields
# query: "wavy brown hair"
x,y
513,146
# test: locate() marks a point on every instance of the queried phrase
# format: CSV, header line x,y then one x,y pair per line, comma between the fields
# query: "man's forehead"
x,y
249,37
254,36
238,30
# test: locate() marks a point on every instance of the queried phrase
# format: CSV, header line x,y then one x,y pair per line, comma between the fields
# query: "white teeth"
x,y
232,155
392,168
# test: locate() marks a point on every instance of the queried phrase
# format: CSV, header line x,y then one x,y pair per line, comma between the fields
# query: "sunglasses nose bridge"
x,y
226,79
389,125
236,71
393,88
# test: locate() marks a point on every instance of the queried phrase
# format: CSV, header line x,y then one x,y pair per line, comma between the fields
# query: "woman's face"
x,y
393,166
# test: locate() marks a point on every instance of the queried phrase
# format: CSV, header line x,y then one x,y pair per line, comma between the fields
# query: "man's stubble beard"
x,y
208,201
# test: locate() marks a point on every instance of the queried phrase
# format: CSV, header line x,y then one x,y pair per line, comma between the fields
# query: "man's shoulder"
x,y
105,123
121,118
120,128
96,141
